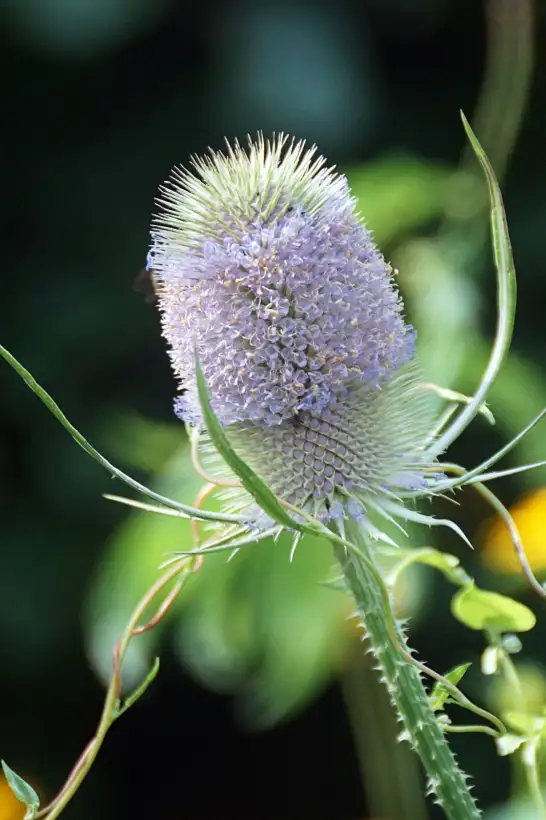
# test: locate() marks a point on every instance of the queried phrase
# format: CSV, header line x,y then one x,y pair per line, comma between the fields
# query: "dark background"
x,y
99,101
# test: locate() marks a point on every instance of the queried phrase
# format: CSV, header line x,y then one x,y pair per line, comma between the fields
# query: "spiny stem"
x,y
403,680
382,760
456,694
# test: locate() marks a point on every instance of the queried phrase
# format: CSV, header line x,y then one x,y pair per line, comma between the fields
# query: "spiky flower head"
x,y
268,273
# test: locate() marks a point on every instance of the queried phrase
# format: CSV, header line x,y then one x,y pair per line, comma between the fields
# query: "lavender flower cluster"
x,y
267,272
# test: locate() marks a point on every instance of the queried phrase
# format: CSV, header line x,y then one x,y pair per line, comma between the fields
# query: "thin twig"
x,y
218,482
486,730
111,709
203,493
504,513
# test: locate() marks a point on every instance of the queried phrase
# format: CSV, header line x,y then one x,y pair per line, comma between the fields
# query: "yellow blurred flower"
x,y
10,807
530,516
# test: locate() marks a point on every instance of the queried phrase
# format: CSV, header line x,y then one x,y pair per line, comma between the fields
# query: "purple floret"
x,y
285,318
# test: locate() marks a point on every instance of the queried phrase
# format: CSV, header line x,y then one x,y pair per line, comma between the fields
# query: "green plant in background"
x,y
351,505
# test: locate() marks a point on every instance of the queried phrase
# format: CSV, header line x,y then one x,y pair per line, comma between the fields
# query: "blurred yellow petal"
x,y
530,516
10,807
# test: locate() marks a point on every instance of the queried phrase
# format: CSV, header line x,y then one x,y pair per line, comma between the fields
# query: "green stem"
x,y
382,760
530,764
403,680
529,752
460,729
113,707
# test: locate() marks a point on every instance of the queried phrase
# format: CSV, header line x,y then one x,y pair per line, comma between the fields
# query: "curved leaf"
x,y
250,481
21,789
490,611
506,297
440,693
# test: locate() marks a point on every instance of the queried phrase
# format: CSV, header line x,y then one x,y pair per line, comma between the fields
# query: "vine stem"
x,y
530,749
113,708
530,764
402,678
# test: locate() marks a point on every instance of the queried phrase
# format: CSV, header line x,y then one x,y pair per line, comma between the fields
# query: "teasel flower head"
x,y
269,275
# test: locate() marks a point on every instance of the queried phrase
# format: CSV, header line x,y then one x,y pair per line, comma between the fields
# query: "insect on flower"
x,y
145,283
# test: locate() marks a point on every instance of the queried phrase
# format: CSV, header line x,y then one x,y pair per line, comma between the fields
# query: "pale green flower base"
x,y
403,680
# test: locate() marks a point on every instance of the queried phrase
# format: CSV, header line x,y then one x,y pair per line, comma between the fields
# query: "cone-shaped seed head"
x,y
267,272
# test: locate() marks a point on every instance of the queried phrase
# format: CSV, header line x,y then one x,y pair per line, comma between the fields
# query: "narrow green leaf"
x,y
506,297
44,396
20,788
443,561
335,581
139,691
457,398
478,473
440,693
490,611
250,481
226,544
141,505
